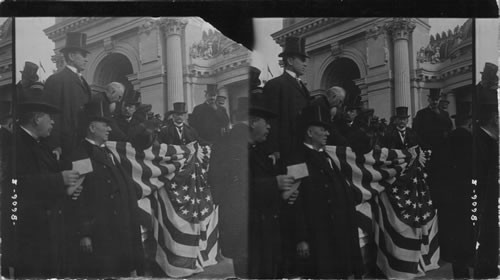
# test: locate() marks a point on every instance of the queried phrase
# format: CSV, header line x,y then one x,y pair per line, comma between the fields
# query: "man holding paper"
x,y
38,204
326,229
107,226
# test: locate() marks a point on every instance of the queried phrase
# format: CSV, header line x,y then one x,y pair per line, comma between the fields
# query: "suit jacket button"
x,y
108,181
112,196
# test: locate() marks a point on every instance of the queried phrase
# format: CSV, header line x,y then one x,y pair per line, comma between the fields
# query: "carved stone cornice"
x,y
148,25
300,28
60,29
374,32
400,28
173,26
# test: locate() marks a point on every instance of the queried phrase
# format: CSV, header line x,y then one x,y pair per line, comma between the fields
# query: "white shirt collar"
x,y
74,70
312,148
293,74
94,143
29,133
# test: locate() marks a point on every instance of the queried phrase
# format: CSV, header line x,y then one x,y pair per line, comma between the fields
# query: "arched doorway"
x,y
342,72
114,68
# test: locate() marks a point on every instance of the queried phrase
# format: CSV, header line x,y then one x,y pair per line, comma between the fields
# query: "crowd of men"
x,y
73,211
306,226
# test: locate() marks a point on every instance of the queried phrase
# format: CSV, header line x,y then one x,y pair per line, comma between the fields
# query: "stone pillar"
x,y
174,28
401,29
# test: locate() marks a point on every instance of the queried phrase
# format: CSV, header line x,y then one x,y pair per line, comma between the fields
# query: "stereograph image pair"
x,y
329,148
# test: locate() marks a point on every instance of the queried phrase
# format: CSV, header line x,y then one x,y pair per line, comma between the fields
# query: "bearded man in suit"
x,y
177,132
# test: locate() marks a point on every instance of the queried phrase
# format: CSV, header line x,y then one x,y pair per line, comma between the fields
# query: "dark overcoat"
x,y
228,179
392,139
169,135
325,219
432,128
208,122
487,186
265,242
69,93
285,97
107,212
455,226
41,194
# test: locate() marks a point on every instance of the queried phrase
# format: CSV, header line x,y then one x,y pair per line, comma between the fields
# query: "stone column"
x,y
174,28
401,29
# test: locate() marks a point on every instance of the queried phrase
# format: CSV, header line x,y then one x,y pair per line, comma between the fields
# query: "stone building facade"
x,y
385,60
6,78
167,59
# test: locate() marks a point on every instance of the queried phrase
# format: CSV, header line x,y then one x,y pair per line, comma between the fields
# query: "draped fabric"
x,y
178,218
394,205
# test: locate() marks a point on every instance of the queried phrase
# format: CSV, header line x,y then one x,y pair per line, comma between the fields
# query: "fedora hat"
x,y
315,115
29,71
76,41
179,108
34,100
402,112
294,46
258,108
94,111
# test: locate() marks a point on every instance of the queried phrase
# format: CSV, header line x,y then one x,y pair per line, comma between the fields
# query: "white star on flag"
x,y
417,219
198,200
419,205
407,192
408,202
187,197
185,211
395,190
202,188
415,180
406,216
414,205
173,185
185,188
193,176
422,192
195,214
205,210
429,202
207,198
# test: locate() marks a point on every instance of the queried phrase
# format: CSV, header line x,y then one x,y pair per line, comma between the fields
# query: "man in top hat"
x,y
131,115
107,225
28,77
42,188
486,171
177,132
402,137
207,119
443,104
68,91
266,187
287,95
326,232
431,124
455,225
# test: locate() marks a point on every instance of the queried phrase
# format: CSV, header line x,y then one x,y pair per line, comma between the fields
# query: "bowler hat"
x,y
294,46
179,108
315,115
30,70
258,106
34,100
402,112
76,41
94,111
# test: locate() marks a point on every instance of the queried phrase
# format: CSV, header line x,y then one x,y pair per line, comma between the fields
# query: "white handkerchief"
x,y
298,171
83,166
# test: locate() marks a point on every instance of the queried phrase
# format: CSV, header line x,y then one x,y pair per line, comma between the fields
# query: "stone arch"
x,y
342,72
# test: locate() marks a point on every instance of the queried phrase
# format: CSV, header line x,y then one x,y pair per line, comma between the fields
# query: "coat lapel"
x,y
76,80
295,83
96,155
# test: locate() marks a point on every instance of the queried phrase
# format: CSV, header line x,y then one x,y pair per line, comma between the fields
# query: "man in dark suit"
x,y
42,189
287,95
402,137
207,119
325,228
106,212
177,132
68,91
265,199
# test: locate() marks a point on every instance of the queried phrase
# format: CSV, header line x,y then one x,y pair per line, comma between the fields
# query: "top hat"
x,y
179,108
258,108
353,104
94,111
30,70
132,98
76,41
5,110
211,90
294,46
434,93
402,112
315,115
254,77
489,70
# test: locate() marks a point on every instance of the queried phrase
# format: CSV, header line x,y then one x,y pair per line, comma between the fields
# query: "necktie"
x,y
109,154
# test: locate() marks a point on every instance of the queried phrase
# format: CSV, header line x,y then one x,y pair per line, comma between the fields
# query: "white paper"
x,y
83,166
298,171
293,188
